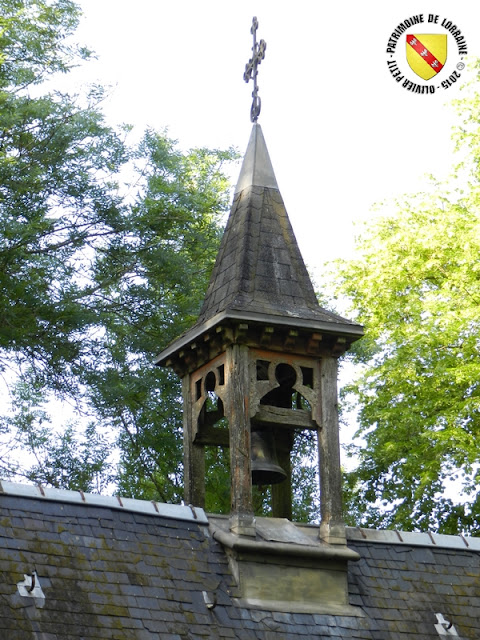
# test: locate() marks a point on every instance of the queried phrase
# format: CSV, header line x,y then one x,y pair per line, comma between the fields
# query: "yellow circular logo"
x,y
425,53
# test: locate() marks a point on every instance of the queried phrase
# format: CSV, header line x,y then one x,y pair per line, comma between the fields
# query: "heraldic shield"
x,y
426,53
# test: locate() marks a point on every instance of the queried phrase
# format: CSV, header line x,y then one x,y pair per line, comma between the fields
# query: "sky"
x,y
341,132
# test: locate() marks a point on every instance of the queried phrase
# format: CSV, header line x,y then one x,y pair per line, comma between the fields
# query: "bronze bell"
x,y
265,467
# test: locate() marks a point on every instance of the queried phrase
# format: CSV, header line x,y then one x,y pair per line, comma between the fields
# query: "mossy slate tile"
x,y
111,574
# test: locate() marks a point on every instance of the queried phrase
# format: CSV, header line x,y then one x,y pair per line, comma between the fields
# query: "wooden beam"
x,y
193,456
291,339
214,437
266,337
284,418
313,343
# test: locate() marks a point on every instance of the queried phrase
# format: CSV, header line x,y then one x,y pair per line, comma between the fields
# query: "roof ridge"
x,y
198,515
413,538
148,507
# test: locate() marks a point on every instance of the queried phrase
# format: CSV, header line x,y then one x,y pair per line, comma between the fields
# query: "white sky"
x,y
341,133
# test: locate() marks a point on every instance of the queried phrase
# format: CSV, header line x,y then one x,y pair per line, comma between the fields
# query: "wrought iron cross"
x,y
251,70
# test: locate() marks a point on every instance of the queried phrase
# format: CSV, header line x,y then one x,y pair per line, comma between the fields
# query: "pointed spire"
x,y
260,273
257,169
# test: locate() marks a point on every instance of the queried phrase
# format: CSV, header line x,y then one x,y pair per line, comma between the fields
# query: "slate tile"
x,y
161,614
303,619
286,618
243,634
226,632
460,560
356,600
131,589
406,584
139,614
444,589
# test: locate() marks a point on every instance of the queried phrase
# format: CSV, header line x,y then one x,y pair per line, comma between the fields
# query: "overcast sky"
x,y
342,134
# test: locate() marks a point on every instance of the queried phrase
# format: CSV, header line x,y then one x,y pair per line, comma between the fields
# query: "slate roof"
x,y
127,569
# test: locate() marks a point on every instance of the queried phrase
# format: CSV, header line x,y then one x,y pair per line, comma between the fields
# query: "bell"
x,y
265,468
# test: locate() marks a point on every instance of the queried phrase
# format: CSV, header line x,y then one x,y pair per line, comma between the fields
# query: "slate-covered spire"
x,y
260,273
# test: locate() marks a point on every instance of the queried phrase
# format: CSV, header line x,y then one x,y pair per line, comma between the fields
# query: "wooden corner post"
x,y
242,521
332,527
193,454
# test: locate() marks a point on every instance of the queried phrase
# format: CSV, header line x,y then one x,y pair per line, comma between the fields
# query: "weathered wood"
x,y
237,374
282,492
213,436
188,471
210,418
332,528
285,418
266,336
194,456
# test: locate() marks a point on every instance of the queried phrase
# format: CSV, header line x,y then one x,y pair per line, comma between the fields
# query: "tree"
x,y
57,208
55,199
161,265
95,281
415,285
91,285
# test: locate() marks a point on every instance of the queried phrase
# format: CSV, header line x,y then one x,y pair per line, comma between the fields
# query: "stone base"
x,y
290,577
243,525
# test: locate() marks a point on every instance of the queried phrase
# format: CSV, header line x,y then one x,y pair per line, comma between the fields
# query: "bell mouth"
x,y
265,469
268,474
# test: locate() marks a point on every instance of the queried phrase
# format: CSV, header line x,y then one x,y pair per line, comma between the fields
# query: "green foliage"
x,y
305,482
55,202
33,36
217,481
415,285
95,282
66,459
92,285
157,271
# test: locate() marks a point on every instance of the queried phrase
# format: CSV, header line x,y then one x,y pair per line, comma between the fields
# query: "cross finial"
x,y
251,70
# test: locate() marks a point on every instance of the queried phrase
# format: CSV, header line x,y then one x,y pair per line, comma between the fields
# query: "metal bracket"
x,y
445,627
31,588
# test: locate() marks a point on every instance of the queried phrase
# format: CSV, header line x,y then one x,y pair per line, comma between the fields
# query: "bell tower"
x,y
261,361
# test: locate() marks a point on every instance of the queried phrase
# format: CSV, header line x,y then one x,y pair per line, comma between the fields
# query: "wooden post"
x,y
332,527
193,454
242,521
282,492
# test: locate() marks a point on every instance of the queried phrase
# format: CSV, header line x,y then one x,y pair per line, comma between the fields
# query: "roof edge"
x,y
150,508
197,514
347,329
413,538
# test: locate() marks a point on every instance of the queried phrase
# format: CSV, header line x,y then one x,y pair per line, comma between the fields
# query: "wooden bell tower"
x,y
262,356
